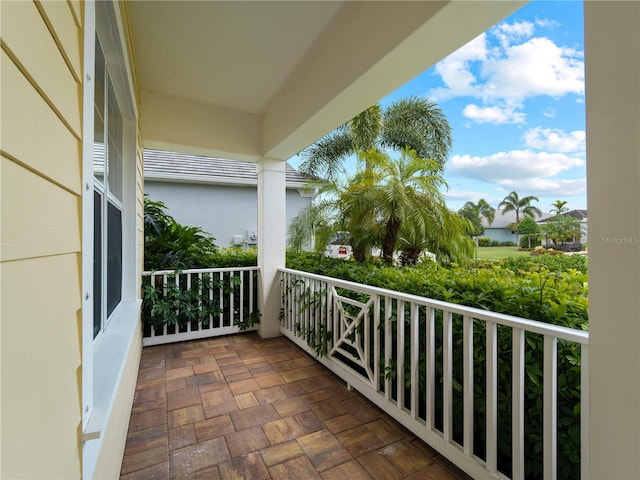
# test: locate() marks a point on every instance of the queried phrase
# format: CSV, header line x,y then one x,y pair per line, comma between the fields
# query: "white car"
x,y
339,251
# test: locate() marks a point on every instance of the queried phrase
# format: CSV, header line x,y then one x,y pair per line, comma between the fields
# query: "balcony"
x,y
381,396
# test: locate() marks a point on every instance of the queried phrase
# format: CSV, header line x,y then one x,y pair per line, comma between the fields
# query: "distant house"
x,y
501,229
578,214
217,195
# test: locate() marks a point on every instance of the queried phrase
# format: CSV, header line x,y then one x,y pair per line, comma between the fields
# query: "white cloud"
x,y
506,33
536,67
546,23
456,73
549,186
465,195
508,72
493,114
555,140
515,165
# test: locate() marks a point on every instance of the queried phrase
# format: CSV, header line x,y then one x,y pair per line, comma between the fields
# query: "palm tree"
x,y
449,242
407,203
396,203
486,210
415,123
473,212
559,207
513,203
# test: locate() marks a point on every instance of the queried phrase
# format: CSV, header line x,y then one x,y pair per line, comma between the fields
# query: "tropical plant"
x,y
404,191
562,228
395,203
473,212
415,123
171,245
529,230
513,203
559,207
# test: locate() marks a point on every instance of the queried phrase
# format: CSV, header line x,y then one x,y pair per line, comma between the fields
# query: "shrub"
x,y
484,242
530,241
507,244
494,243
171,245
233,257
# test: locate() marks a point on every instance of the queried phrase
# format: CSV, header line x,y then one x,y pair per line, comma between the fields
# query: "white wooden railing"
x,y
221,302
421,370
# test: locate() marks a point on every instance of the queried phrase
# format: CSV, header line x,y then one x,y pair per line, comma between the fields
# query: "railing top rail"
x,y
564,333
199,270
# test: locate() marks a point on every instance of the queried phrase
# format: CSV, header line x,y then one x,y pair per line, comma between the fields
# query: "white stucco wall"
x,y
499,234
223,211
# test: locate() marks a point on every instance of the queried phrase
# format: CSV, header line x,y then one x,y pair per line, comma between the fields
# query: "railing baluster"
x,y
387,346
306,296
335,317
517,404
309,311
467,379
221,297
232,305
447,374
400,355
165,327
292,317
366,325
376,342
415,361
211,280
200,293
188,286
550,409
309,307
241,295
430,371
251,278
492,397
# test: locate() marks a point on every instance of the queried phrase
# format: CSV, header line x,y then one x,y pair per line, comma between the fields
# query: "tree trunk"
x,y
390,239
359,253
410,256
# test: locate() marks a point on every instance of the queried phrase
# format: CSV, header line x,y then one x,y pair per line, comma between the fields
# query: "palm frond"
x,y
419,124
325,157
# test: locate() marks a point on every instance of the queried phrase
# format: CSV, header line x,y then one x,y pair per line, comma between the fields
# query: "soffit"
x,y
234,55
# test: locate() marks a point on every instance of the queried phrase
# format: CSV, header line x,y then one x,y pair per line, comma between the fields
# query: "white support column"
x,y
272,240
612,60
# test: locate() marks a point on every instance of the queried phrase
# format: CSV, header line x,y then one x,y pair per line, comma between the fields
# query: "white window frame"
x,y
103,357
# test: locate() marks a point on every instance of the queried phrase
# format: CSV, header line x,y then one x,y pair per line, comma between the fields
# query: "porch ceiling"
x,y
247,80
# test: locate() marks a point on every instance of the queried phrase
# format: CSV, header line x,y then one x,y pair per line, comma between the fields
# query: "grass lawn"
x,y
499,252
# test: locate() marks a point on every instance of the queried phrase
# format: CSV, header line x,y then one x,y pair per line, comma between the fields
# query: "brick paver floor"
x,y
240,407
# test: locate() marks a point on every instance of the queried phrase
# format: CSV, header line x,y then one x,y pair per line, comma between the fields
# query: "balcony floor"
x,y
243,407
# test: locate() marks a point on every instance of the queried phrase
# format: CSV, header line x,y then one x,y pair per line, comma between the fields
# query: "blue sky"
x,y
514,97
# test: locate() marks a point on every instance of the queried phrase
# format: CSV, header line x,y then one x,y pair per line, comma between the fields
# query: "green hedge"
x,y
546,288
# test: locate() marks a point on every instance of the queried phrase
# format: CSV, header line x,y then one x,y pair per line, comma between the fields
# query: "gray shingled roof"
x,y
580,214
161,165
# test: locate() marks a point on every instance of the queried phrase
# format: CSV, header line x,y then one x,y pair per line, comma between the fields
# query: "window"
x,y
108,159
111,297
